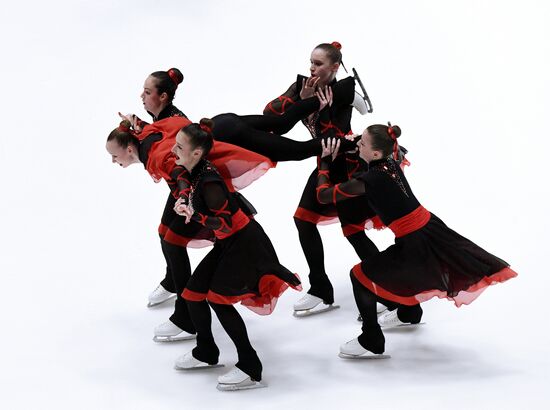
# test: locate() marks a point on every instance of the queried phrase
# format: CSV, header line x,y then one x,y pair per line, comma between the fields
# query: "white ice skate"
x,y
380,309
169,332
389,320
310,305
236,379
159,295
353,350
188,362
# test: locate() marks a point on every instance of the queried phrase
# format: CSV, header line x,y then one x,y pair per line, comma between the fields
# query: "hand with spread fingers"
x,y
308,87
330,147
324,94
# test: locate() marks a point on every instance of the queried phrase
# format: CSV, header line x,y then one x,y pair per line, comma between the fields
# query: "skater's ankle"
x,y
210,355
372,339
410,314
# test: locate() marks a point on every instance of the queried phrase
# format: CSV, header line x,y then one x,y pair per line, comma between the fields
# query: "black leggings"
x,y
178,266
261,133
312,245
206,349
372,337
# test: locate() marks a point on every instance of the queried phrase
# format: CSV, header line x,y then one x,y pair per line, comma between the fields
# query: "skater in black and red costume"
x,y
428,259
152,147
238,166
355,214
158,94
242,267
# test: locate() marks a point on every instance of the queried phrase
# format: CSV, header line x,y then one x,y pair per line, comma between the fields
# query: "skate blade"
x,y
201,366
150,305
367,356
244,385
312,312
177,338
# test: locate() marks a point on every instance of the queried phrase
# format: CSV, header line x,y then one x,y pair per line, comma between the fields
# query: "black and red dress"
x,y
242,266
237,166
428,259
334,121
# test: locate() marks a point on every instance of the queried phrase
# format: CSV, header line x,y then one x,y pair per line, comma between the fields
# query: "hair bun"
x,y
206,124
336,45
395,130
175,75
124,126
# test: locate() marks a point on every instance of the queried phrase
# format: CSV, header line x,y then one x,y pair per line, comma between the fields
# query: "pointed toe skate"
x,y
353,350
236,379
159,295
188,362
311,305
169,332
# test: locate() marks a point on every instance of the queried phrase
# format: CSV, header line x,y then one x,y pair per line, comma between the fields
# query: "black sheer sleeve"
x,y
179,183
217,202
327,193
280,104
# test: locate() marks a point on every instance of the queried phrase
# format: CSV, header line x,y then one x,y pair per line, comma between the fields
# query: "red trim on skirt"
x,y
193,296
410,222
313,217
464,297
270,288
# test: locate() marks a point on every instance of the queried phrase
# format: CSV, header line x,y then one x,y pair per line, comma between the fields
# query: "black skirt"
x,y
432,261
242,268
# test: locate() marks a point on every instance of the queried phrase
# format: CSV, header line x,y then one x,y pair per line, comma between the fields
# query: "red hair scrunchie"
x,y
336,45
391,133
123,128
205,128
173,76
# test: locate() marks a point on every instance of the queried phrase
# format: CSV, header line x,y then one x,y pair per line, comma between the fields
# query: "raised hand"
x,y
324,94
308,87
134,121
330,147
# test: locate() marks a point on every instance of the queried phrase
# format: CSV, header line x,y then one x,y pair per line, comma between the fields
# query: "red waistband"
x,y
238,221
410,222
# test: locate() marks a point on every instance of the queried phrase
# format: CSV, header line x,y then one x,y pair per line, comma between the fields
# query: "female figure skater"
x,y
354,214
242,266
428,259
152,148
159,91
238,167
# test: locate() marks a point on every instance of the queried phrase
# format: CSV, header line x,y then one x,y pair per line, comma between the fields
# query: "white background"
x,y
467,81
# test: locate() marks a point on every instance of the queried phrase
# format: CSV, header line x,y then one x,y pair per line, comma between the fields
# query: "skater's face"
x,y
121,156
322,67
152,100
186,155
366,152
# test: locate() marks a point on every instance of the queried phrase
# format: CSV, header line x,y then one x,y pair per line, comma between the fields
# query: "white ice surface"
x,y
468,84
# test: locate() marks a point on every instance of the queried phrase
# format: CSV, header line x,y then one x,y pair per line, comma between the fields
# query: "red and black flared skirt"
x,y
432,261
242,268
